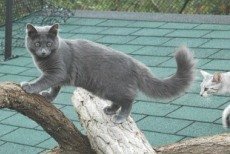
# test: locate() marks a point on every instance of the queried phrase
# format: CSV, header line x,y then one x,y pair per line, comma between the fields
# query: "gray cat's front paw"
x,y
47,95
27,87
118,119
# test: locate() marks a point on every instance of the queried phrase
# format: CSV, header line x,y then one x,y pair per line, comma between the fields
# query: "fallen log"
x,y
217,144
102,136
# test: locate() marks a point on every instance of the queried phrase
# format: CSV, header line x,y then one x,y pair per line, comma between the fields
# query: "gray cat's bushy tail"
x,y
226,117
173,85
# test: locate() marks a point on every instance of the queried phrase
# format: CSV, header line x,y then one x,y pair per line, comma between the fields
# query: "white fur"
x,y
223,87
209,87
225,117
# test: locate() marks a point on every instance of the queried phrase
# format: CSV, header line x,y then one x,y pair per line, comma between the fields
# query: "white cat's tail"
x,y
226,117
174,85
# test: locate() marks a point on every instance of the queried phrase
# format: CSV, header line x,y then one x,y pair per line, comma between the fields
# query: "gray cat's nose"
x,y
43,53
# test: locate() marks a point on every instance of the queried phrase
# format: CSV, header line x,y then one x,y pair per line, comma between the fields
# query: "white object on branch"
x,y
104,135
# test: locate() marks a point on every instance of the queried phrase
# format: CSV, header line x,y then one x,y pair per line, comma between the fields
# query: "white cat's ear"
x,y
31,30
205,74
217,77
54,30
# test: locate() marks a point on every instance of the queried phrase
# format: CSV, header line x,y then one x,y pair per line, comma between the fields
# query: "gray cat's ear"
x,y
31,30
205,74
54,30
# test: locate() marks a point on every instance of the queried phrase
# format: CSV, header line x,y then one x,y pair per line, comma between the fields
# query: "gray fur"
x,y
103,71
172,86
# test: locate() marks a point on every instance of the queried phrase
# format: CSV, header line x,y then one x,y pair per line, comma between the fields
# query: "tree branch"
x,y
104,135
107,137
217,144
47,115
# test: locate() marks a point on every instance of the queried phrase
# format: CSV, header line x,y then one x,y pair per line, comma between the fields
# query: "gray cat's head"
x,y
42,41
211,83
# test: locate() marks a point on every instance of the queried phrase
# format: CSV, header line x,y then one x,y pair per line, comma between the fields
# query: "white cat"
x,y
217,83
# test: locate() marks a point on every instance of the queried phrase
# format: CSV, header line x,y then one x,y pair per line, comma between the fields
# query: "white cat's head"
x,y
211,83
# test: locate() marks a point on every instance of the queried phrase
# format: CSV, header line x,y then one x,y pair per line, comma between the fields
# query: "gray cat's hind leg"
x,y
110,110
123,113
124,98
52,94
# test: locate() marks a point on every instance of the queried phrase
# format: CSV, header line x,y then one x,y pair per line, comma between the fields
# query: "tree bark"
x,y
104,135
52,120
217,144
107,137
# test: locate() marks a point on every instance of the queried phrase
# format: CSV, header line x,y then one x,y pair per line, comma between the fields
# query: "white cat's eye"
x,y
37,44
48,44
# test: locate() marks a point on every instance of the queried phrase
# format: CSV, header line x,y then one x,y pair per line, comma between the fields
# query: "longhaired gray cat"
x,y
101,70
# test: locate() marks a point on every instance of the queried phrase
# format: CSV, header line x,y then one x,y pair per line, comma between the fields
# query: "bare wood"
x,y
104,135
52,120
107,137
217,144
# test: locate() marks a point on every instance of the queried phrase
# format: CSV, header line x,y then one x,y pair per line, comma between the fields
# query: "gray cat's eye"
x,y
37,44
48,44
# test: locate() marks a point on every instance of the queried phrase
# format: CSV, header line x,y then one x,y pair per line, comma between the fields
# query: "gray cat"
x,y
101,70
